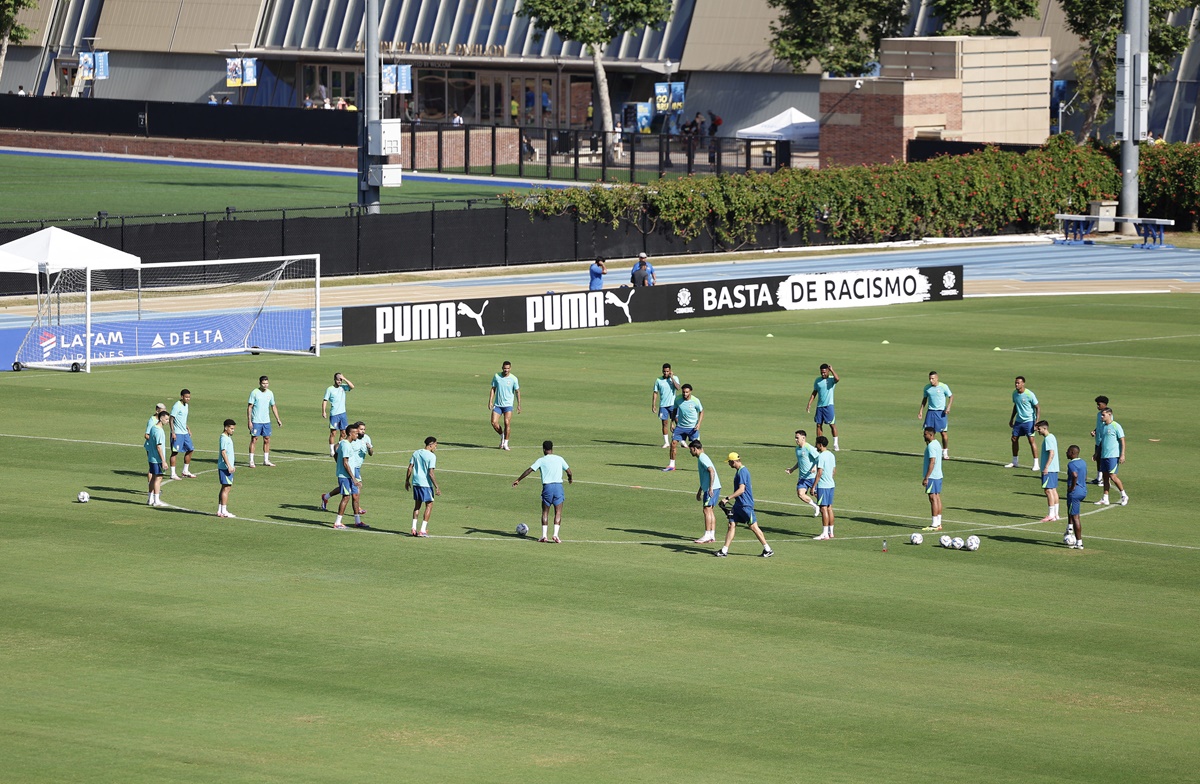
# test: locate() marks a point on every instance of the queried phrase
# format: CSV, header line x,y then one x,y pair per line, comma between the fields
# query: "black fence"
x,y
926,149
403,238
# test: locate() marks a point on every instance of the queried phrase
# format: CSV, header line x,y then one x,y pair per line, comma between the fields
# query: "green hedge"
x,y
1169,183
953,196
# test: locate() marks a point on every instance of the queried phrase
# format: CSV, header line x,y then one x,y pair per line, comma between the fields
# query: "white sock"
x,y
1014,462
357,519
332,449
266,457
414,524
424,525
827,529
173,475
544,529
666,439
1124,494
939,517
814,505
556,527
725,549
933,521
671,464
1105,497
337,520
835,443
251,463
1054,510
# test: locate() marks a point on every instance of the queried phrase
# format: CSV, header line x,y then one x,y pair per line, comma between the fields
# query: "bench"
x,y
1076,228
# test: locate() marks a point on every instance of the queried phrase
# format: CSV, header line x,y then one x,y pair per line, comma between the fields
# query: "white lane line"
x,y
1104,342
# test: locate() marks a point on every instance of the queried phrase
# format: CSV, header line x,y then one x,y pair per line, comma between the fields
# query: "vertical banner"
x,y
668,100
233,72
87,66
249,72
397,79
101,65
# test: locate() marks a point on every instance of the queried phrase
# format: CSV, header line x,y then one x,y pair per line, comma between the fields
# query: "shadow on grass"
x,y
623,443
644,532
777,446
458,445
494,532
788,532
124,490
880,521
887,452
991,512
1021,540
122,472
637,465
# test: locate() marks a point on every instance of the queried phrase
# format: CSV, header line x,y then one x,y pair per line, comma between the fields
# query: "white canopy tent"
x,y
53,249
792,125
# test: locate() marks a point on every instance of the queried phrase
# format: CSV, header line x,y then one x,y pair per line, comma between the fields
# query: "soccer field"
x,y
151,645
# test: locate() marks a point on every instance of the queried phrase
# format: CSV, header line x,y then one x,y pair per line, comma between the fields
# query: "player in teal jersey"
x,y
689,415
662,401
156,456
1101,404
931,478
333,406
258,418
806,466
348,483
181,434
151,423
225,468
505,394
421,480
551,467
1049,463
936,401
826,468
1112,454
709,493
822,393
1025,412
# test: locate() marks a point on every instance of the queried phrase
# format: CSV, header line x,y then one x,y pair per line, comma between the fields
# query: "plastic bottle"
x,y
885,545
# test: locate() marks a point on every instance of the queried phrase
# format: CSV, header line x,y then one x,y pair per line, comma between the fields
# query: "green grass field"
x,y
34,189
145,645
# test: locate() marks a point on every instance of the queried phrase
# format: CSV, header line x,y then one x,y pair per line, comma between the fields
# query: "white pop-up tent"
x,y
53,250
791,125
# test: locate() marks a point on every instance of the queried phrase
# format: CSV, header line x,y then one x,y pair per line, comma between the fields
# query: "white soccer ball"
x,y
958,543
972,543
916,539
83,497
945,541
1069,540
522,529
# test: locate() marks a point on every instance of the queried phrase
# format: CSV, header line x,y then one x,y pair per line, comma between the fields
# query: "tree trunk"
x,y
606,115
4,34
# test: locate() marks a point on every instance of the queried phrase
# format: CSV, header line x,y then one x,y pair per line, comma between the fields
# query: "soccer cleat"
x,y
669,468
1124,500
704,540
932,528
361,525
721,554
174,478
250,464
414,532
1102,502
231,515
268,463
1096,481
324,502
543,540
340,526
1036,467
1049,519
1010,465
506,448
766,553
556,540
159,503
835,448
666,446
822,538
422,535
189,475
1079,545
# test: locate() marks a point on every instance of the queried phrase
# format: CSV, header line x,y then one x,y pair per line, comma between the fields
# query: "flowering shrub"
x,y
1169,183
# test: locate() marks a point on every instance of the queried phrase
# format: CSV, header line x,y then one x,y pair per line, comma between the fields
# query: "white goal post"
x,y
176,310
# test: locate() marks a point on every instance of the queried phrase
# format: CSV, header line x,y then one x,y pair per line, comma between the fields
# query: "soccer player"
x,y
1049,462
709,492
151,423
931,478
505,391
1025,412
421,480
662,401
551,467
689,414
225,468
743,508
156,456
936,400
1101,404
1112,454
333,405
596,274
1076,492
806,465
348,483
181,434
826,468
823,394
258,419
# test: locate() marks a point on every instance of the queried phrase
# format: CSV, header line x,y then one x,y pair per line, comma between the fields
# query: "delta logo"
x,y
196,337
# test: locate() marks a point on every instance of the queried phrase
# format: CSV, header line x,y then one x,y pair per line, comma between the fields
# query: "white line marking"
x,y
1104,342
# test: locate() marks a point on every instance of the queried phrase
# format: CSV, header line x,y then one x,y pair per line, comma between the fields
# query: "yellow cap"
x,y
734,456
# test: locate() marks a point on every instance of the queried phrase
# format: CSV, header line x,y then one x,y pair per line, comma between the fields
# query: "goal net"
x,y
179,310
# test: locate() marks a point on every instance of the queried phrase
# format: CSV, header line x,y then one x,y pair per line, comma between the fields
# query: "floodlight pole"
x,y
368,195
1137,13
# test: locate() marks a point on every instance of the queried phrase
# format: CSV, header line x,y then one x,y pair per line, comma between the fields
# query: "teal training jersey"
x,y
1024,401
423,461
806,459
157,438
1049,444
262,402
551,468
345,449
1099,426
506,387
824,389
933,451
687,413
665,387
150,423
1110,442
826,462
336,397
224,446
359,447
937,396
703,464
179,415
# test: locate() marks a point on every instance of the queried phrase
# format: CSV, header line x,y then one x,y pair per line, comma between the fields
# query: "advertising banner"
x,y
397,79
87,66
249,72
101,66
233,72
407,323
668,97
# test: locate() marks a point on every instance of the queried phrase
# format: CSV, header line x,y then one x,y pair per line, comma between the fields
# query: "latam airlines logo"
x,y
553,312
72,345
48,343
428,321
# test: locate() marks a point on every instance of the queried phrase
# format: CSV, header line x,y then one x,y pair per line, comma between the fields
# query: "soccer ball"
x,y
958,543
972,543
916,539
83,497
522,529
1069,540
945,541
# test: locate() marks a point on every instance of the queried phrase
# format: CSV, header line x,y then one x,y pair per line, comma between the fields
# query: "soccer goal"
x,y
179,310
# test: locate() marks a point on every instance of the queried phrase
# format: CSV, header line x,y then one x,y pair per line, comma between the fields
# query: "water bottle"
x,y
885,545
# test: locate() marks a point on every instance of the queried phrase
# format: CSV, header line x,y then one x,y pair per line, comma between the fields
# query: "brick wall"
x,y
455,142
874,124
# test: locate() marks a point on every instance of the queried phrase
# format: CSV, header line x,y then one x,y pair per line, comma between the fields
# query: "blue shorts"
x,y
806,482
825,496
936,420
824,415
1073,502
666,413
502,409
260,429
346,486
226,477
1050,480
422,494
1108,465
552,494
710,497
1023,429
933,487
182,443
155,469
338,421
682,434
743,514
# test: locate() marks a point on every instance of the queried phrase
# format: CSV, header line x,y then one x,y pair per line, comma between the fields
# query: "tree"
x,y
842,35
594,23
10,31
1098,23
995,17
